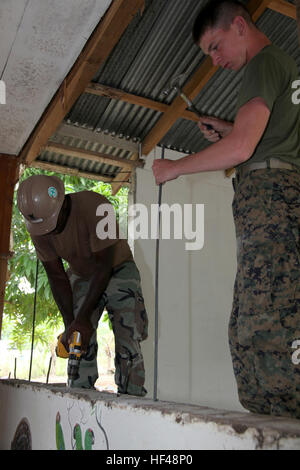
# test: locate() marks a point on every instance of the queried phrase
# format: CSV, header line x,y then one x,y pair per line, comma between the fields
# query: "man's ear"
x,y
239,23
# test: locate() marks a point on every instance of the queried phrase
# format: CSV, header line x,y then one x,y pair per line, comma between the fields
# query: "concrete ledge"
x,y
52,417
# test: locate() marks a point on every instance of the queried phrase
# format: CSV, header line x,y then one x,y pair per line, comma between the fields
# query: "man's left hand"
x,y
164,170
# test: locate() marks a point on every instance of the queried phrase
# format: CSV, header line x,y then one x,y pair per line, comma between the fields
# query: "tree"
x,y
20,290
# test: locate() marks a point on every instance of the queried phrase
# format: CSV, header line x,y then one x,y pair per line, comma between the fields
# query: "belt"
x,y
270,163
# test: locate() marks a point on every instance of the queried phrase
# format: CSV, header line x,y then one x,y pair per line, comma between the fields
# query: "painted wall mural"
x,y
44,418
75,427
82,437
22,438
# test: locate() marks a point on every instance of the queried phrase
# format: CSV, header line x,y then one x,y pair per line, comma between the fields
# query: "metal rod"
x,y
15,369
156,291
33,319
49,368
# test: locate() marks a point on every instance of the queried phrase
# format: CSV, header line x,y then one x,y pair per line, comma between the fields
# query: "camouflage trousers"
x,y
265,319
124,302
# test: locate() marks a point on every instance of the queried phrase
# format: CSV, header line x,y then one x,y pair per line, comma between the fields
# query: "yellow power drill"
x,y
74,356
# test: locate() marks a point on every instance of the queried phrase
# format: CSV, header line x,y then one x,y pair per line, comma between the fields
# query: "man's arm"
x,y
61,289
235,148
97,286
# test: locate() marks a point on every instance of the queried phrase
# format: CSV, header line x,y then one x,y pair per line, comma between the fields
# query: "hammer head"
x,y
175,84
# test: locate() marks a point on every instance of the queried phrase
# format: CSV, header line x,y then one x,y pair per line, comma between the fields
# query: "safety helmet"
x,y
40,199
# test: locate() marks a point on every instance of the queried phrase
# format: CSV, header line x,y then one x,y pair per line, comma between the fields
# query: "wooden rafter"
x,y
198,81
65,170
97,49
116,185
285,8
116,94
93,156
192,89
88,135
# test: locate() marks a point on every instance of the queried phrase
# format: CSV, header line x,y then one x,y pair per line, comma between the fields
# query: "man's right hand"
x,y
220,128
85,329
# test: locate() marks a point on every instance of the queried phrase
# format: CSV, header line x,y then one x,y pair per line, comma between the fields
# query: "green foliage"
x,y
107,320
19,301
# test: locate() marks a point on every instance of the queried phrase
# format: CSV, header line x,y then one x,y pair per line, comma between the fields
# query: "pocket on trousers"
x,y
255,263
254,280
285,286
141,317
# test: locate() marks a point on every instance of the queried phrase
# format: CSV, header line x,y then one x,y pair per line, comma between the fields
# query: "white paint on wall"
x,y
108,422
195,293
211,290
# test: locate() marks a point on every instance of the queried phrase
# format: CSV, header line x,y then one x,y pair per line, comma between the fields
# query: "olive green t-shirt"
x,y
79,240
270,75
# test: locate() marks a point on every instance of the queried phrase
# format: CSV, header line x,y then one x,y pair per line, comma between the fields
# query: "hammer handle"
x,y
195,110
209,127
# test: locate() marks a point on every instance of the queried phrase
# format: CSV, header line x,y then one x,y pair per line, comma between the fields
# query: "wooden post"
x,y
8,178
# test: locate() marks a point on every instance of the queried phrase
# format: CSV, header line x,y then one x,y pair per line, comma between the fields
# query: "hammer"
x,y
175,85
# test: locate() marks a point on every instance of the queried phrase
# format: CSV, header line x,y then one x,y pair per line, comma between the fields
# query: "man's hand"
x,y
164,170
85,329
220,128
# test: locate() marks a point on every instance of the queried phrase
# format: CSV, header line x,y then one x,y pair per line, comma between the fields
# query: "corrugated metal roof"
x,y
85,165
156,47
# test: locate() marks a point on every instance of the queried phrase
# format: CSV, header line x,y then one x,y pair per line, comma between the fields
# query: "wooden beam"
x,y
126,177
116,183
8,177
117,94
76,132
93,156
285,8
192,89
65,170
198,81
97,49
257,8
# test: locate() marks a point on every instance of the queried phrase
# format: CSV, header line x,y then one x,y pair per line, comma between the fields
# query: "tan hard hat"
x,y
40,199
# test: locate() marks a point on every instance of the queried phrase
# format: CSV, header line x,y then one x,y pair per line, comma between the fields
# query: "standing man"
x,y
264,146
102,273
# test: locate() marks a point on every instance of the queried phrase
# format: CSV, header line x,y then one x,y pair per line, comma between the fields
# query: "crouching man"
x,y
102,274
